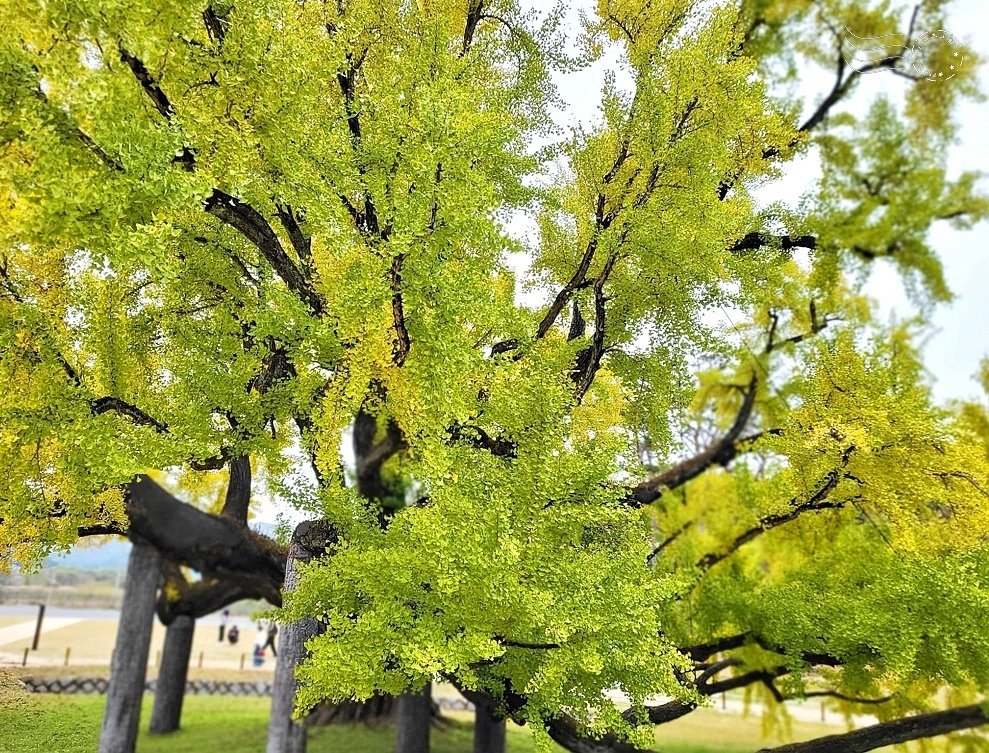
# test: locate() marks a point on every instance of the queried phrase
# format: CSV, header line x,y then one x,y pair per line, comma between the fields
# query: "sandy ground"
x,y
86,637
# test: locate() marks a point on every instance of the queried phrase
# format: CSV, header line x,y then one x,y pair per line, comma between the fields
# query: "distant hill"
x,y
113,554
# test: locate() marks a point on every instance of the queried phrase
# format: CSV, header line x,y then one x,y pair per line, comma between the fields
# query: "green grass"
x,y
71,724
62,724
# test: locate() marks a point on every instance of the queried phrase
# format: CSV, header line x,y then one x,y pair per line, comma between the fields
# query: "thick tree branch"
x,y
197,598
720,452
102,405
589,359
403,343
892,732
754,241
565,732
474,11
158,98
370,456
302,243
479,438
215,25
238,497
255,228
148,84
216,546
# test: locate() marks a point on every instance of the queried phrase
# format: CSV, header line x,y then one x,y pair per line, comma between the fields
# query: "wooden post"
x,y
37,627
822,712
309,541
242,657
68,650
200,659
24,660
166,714
130,655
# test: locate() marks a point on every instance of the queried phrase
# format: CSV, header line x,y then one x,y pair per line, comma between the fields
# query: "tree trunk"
x,y
170,688
285,735
413,716
489,733
130,658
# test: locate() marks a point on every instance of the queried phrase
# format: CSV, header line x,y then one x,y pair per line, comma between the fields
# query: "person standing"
x,y
223,623
272,635
259,642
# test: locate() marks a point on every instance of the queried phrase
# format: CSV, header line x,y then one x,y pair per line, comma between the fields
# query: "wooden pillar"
x,y
166,714
285,735
130,653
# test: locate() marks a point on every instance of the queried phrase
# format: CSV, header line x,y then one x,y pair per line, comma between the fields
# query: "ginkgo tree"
x,y
261,231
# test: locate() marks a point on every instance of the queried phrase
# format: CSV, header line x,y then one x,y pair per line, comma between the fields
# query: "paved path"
x,y
24,630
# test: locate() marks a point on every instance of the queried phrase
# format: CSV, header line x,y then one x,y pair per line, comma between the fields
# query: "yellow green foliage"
x,y
226,230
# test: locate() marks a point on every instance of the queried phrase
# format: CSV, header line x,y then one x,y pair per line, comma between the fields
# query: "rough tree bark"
x,y
413,717
286,735
220,547
892,732
489,732
130,658
170,688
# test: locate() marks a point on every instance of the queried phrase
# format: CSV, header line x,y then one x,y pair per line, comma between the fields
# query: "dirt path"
x,y
23,630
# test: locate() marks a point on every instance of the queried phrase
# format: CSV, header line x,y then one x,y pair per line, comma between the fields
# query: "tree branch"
x,y
474,11
148,84
818,501
302,243
403,343
103,405
238,497
754,241
216,546
589,359
720,452
892,732
255,228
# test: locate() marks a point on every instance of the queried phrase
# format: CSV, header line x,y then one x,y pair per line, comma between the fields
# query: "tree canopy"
x,y
263,232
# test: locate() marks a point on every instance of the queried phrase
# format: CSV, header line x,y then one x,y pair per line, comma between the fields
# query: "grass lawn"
x,y
70,724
